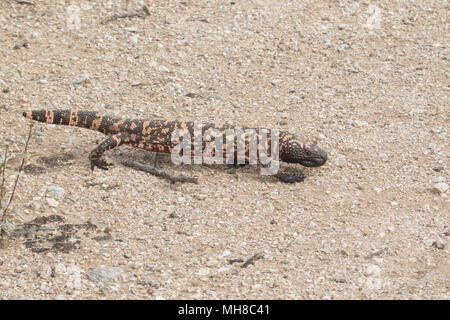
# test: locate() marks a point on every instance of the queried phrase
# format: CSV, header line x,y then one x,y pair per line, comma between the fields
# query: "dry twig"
x,y
11,197
25,2
252,260
143,14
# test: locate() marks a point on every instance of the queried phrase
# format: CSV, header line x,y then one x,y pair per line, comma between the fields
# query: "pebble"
x,y
74,198
131,29
372,271
203,272
81,78
73,278
45,272
377,189
201,196
56,192
60,269
439,179
275,81
441,187
383,156
226,253
105,273
52,202
438,243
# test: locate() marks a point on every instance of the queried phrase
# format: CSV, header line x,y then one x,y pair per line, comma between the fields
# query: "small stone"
x,y
359,123
56,192
339,89
408,21
438,243
377,190
372,271
73,278
203,272
131,29
80,79
226,253
162,69
274,82
45,272
74,197
105,273
394,203
441,187
60,269
383,156
439,179
201,196
52,202
354,5
134,38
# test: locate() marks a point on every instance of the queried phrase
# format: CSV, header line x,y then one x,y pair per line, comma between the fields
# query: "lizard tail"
x,y
84,119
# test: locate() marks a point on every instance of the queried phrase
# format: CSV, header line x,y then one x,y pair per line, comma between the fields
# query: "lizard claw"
x,y
290,177
100,163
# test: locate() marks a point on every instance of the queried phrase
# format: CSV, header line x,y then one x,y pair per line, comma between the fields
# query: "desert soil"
x,y
369,80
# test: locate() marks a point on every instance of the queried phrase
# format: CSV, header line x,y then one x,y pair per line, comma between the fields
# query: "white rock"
x,y
131,29
226,253
56,192
203,272
105,273
60,269
45,272
162,69
438,243
81,78
201,196
52,202
441,187
73,278
383,156
373,271
275,81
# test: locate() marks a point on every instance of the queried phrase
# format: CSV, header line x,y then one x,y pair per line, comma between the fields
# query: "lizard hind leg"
x,y
109,143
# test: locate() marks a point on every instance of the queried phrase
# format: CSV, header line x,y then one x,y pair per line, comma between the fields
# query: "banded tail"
x,y
84,119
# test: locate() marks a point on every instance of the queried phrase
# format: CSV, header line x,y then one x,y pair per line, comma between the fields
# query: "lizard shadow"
x,y
164,163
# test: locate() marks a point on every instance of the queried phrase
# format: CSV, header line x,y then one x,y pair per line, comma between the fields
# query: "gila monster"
x,y
156,136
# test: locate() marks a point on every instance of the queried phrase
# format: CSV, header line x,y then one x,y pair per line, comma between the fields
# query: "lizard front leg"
x,y
111,142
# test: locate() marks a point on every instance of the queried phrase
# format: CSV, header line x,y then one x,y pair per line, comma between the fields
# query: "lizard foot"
x,y
100,163
290,177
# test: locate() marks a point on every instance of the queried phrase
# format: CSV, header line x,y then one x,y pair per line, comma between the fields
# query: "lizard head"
x,y
307,154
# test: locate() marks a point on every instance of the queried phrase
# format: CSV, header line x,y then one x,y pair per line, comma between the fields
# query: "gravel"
x,y
367,80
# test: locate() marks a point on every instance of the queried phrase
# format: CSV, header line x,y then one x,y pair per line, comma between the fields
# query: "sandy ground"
x,y
367,79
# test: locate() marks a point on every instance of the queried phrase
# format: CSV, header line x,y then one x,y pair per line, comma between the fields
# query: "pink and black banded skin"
x,y
156,136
